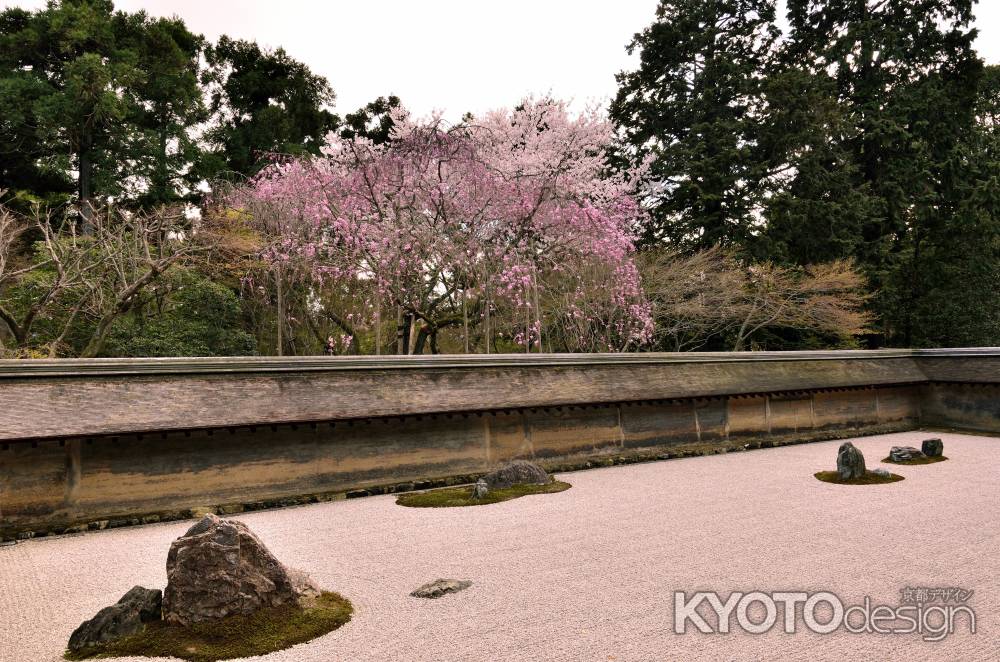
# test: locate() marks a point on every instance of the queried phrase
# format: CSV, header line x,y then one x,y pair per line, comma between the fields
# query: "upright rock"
x,y
220,568
932,447
127,616
518,472
850,462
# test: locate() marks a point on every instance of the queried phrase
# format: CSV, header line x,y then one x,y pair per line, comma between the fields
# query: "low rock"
x,y
518,472
932,447
127,616
904,453
220,568
882,473
480,489
441,587
850,462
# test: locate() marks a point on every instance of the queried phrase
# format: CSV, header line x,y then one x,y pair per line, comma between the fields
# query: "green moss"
x,y
870,478
917,460
462,496
262,632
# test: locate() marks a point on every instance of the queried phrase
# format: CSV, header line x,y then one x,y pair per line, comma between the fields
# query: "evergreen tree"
x,y
64,70
694,106
166,106
264,103
947,290
373,120
905,75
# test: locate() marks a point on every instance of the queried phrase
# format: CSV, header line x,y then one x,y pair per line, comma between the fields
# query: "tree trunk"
x,y
538,307
161,182
465,322
281,313
486,330
404,324
422,336
85,182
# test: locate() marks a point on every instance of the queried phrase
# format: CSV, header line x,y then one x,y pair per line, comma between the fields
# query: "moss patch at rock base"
x,y
917,460
264,631
462,496
870,478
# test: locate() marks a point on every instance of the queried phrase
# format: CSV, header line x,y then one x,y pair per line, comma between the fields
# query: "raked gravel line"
x,y
588,574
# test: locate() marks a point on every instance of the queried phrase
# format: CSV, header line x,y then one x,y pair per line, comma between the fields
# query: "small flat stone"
x,y
881,472
439,587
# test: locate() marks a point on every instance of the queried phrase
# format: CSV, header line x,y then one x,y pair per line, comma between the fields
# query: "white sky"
x,y
452,55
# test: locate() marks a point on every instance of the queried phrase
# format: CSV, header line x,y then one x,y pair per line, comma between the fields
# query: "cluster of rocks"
x,y
518,472
851,462
929,448
218,568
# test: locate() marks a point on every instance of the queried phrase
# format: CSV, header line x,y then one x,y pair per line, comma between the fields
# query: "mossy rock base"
x,y
453,497
870,478
264,631
917,460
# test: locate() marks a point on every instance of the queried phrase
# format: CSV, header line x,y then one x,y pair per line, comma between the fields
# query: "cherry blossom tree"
x,y
506,227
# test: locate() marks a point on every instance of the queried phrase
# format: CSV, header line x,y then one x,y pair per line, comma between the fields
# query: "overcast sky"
x,y
452,55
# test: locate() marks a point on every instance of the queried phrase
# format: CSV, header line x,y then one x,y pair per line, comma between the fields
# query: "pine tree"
x,y
65,66
167,105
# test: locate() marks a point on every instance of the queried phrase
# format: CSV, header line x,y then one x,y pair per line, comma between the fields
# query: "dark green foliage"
x,y
694,105
868,132
372,121
194,317
267,104
60,68
906,78
166,106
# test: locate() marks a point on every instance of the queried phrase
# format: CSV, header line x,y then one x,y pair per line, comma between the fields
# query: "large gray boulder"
x,y
220,568
518,472
850,462
127,616
932,447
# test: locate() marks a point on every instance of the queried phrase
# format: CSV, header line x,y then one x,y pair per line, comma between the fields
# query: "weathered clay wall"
x,y
265,435
973,407
56,484
60,398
